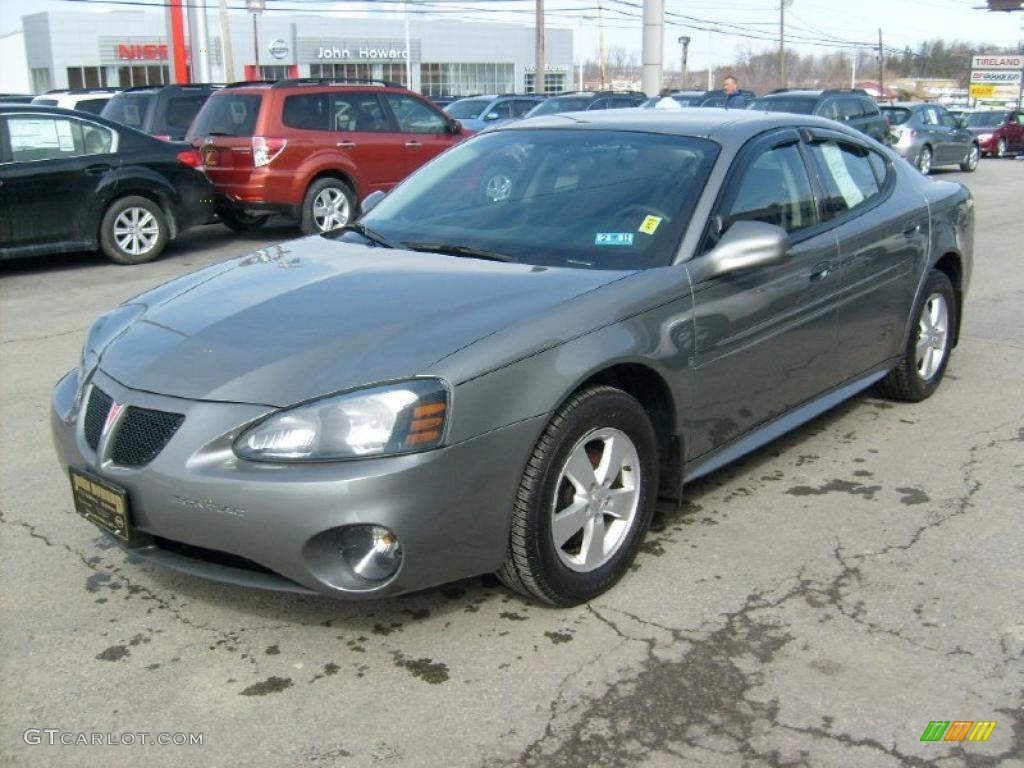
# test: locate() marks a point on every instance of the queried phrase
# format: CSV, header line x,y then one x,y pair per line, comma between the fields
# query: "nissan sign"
x,y
278,48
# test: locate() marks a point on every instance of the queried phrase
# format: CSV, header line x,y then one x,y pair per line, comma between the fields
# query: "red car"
x,y
312,149
1000,132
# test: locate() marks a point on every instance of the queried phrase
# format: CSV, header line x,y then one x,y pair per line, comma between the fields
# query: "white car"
x,y
83,99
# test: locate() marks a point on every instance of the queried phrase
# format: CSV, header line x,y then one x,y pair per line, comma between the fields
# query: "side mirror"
x,y
745,245
454,126
491,116
371,201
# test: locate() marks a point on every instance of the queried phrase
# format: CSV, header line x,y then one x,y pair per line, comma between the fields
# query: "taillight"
x,y
161,136
190,157
264,150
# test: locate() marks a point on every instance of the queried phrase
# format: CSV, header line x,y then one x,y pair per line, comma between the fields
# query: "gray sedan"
x,y
927,135
474,379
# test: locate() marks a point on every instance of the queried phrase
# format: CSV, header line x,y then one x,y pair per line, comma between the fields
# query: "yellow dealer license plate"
x,y
101,502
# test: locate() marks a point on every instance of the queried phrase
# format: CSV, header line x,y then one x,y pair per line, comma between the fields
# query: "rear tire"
x,y
240,221
924,160
585,499
329,204
133,230
1001,149
929,345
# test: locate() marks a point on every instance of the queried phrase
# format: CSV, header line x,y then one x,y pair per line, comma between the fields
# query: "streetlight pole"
x,y
538,77
685,42
256,7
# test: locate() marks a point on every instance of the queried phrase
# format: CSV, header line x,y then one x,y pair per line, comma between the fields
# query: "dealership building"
x,y
74,50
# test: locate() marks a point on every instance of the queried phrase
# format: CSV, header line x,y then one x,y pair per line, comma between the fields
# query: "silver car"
x,y
927,135
464,382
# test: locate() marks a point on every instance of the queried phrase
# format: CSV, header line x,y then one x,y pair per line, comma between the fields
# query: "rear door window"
x,y
359,112
850,109
307,111
32,138
228,114
852,177
521,106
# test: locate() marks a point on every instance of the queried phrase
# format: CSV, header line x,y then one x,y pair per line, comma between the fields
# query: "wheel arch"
x,y
154,194
951,265
653,393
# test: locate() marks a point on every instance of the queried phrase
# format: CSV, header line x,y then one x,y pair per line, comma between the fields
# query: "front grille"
x,y
95,416
142,434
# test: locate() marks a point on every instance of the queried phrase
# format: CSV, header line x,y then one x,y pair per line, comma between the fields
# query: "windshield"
x,y
797,106
129,110
467,109
589,199
986,119
227,114
554,106
896,115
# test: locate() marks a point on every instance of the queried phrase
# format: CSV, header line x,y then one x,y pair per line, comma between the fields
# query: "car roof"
x,y
723,125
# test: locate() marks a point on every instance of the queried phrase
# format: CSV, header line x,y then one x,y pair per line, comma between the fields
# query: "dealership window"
x,y
87,77
554,82
342,71
275,72
466,79
142,75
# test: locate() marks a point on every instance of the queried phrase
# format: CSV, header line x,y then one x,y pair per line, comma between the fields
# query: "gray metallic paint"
x,y
744,358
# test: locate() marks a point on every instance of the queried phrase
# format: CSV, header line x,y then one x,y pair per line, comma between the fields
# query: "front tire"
x,y
585,499
970,164
329,204
924,361
133,230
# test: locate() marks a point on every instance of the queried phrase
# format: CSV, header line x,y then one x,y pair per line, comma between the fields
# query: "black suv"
x,y
163,111
852,106
581,101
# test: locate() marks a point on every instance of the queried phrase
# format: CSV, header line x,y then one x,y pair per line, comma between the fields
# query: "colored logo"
x,y
958,730
112,414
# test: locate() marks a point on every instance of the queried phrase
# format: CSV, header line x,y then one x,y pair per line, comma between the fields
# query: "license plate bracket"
x,y
102,503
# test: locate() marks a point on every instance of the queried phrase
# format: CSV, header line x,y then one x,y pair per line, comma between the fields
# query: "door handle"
x,y
97,170
345,144
912,231
413,144
821,271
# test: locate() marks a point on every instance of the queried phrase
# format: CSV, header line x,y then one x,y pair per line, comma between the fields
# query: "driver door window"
x,y
775,189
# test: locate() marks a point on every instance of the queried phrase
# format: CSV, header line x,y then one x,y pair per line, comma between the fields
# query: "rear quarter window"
x,y
850,174
228,114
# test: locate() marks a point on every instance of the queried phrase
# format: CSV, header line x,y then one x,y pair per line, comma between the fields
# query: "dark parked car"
x,y
718,97
1000,132
16,98
163,111
927,136
74,182
580,101
852,106
460,384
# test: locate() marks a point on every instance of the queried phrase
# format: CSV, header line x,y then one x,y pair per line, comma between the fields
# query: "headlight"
x,y
984,136
382,421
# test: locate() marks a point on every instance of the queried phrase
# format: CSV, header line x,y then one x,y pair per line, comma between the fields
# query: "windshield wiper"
x,y
459,250
369,234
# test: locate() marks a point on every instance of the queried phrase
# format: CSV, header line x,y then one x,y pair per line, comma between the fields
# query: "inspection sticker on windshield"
x,y
613,238
650,225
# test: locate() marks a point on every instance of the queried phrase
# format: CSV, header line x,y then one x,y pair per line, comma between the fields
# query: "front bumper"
x,y
198,508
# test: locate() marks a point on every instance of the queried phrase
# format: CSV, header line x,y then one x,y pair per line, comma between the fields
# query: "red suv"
x,y
312,149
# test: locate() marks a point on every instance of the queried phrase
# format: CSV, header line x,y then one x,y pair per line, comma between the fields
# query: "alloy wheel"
x,y
331,209
932,336
596,499
924,161
136,231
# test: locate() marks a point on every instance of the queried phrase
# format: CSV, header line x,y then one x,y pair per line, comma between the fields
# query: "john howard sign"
x,y
319,51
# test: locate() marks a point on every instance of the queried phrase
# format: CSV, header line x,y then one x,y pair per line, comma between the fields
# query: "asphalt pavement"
x,y
817,604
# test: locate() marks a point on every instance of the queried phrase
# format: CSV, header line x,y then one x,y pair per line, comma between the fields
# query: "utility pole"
x,y
881,67
654,46
853,68
782,43
538,77
225,43
685,42
602,65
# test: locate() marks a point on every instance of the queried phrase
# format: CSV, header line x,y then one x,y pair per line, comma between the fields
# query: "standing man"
x,y
734,97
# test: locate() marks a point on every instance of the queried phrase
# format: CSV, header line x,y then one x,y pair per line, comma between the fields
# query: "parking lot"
x,y
816,604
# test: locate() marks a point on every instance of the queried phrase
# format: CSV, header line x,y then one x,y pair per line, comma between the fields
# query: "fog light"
x,y
370,551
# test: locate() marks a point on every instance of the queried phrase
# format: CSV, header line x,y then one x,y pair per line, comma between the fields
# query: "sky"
x,y
903,22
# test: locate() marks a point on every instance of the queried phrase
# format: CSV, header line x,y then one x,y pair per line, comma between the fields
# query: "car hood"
x,y
315,316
